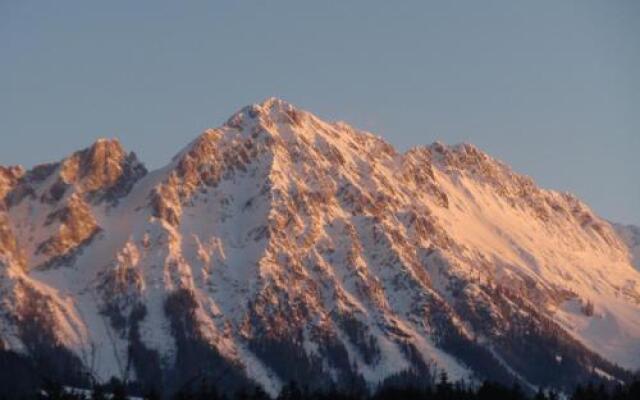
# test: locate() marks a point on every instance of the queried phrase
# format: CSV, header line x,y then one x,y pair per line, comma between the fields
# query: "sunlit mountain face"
x,y
281,247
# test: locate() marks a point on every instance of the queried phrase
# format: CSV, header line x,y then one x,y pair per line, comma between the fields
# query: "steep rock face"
x,y
55,207
9,176
8,245
281,247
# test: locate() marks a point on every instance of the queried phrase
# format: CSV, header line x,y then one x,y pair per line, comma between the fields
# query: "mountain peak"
x,y
9,177
266,113
104,170
100,165
104,143
274,103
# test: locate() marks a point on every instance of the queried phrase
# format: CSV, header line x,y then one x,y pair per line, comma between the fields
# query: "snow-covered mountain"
x,y
281,247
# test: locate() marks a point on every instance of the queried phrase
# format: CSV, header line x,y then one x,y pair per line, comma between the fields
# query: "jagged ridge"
x,y
281,247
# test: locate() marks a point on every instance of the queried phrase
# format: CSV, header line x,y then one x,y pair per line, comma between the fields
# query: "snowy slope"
x,y
280,246
630,234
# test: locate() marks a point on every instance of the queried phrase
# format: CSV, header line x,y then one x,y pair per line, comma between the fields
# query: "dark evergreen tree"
x,y
290,391
98,393
540,395
152,394
119,390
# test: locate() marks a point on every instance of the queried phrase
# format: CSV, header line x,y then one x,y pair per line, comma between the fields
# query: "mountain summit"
x,y
281,247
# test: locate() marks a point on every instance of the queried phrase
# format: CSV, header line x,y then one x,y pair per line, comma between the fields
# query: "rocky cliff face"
x,y
282,247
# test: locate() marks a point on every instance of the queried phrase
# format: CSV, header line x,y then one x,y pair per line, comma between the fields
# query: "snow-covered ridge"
x,y
280,246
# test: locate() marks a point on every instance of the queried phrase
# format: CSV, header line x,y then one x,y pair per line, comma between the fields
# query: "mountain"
x,y
281,247
630,234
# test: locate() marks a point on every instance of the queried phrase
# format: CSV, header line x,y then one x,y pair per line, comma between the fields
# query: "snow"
x,y
325,206
87,394
630,235
604,375
555,255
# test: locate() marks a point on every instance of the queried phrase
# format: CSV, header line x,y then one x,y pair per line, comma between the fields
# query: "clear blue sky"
x,y
550,87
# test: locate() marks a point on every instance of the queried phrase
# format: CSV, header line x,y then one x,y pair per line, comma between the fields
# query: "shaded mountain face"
x,y
630,234
281,247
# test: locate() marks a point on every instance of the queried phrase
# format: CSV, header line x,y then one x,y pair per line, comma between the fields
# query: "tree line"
x,y
392,389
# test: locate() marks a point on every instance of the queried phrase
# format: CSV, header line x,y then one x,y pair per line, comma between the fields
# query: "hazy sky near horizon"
x,y
550,87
